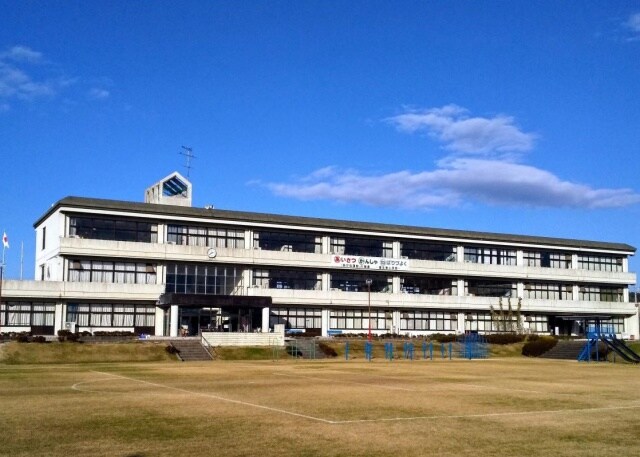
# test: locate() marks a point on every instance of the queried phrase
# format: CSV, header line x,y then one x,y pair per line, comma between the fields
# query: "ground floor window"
x,y
428,320
111,315
615,324
538,323
358,319
27,314
299,318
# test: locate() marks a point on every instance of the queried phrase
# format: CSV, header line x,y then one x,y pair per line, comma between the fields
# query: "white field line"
x,y
363,421
216,397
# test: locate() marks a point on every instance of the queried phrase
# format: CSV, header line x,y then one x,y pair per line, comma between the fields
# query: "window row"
x,y
111,272
211,279
358,319
217,237
428,320
123,229
27,314
296,318
111,315
113,229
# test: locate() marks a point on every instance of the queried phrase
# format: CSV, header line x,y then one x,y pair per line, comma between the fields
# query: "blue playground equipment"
x,y
408,351
388,351
473,346
368,350
598,333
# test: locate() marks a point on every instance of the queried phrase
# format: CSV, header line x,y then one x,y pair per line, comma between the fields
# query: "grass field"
x,y
510,406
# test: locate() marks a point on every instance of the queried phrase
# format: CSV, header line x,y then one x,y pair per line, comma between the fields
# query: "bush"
x,y
171,349
444,337
505,338
327,350
39,339
538,346
22,338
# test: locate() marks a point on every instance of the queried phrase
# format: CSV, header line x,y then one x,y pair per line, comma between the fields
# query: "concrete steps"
x,y
565,350
190,350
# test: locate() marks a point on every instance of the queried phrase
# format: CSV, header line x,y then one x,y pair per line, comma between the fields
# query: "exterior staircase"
x,y
305,348
565,350
190,349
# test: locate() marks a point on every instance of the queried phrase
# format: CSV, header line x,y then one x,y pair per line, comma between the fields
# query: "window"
x,y
287,279
601,293
615,324
548,291
428,285
216,237
489,255
428,251
111,272
210,279
537,323
113,229
600,263
27,314
428,320
298,318
111,315
353,282
44,237
482,288
371,247
358,319
287,241
547,259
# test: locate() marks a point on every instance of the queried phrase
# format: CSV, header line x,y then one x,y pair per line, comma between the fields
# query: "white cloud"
x,y
22,54
25,76
632,24
98,94
452,125
479,171
456,182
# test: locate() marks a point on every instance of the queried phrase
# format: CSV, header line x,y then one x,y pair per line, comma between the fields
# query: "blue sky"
x,y
517,117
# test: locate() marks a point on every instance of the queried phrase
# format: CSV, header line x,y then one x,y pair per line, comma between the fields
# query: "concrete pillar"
x,y
59,317
520,257
396,321
520,290
173,321
248,239
325,322
326,281
631,325
461,322
574,261
460,253
396,285
265,319
396,249
625,265
159,330
461,284
326,245
576,292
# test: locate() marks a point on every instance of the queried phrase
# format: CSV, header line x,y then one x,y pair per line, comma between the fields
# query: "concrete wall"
x,y
243,339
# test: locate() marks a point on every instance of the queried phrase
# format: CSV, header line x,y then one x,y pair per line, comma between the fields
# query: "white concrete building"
x,y
164,267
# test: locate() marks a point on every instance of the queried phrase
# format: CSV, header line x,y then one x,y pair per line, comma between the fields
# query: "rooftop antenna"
x,y
188,153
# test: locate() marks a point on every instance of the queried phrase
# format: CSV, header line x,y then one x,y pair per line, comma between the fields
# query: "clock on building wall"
x,y
212,253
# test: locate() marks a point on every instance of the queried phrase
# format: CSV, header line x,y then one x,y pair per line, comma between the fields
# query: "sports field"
x,y
493,407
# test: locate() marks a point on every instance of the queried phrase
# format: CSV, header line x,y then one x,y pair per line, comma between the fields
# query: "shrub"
x,y
505,338
327,350
171,349
39,339
444,337
22,338
539,346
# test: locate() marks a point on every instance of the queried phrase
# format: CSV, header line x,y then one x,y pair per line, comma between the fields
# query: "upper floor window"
x,y
287,279
287,241
547,259
197,278
490,255
427,285
371,247
111,272
218,237
599,262
601,293
428,251
44,237
548,291
354,282
484,288
113,229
